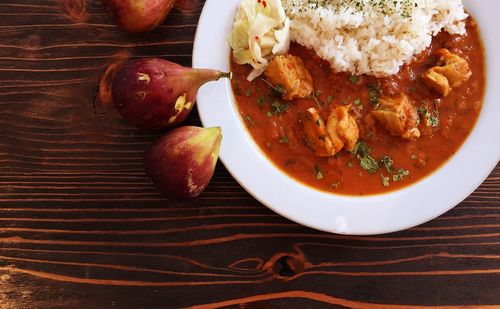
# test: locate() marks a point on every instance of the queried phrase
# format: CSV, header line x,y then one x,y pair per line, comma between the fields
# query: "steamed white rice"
x,y
374,37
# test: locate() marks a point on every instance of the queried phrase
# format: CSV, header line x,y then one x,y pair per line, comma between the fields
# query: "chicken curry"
x,y
360,135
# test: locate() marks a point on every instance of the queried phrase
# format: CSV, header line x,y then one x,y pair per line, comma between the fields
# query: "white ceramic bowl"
x,y
377,214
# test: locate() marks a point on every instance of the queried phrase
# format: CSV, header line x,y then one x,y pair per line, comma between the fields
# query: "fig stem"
x,y
225,75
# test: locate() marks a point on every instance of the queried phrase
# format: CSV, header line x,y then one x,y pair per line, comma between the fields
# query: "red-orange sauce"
x,y
280,137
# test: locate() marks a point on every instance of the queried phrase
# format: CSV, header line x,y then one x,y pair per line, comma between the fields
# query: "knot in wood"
x,y
287,266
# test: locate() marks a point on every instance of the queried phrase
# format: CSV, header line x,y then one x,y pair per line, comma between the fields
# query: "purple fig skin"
x,y
182,162
186,6
137,16
154,94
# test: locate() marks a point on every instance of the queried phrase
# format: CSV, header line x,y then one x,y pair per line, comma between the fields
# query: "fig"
x,y
186,6
136,16
182,162
153,93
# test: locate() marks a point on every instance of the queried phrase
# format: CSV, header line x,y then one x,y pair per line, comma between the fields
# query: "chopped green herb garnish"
x,y
248,119
248,92
319,174
354,79
261,100
433,121
430,120
361,149
369,164
357,101
400,174
366,161
329,99
413,157
385,181
387,163
278,88
277,107
284,139
374,93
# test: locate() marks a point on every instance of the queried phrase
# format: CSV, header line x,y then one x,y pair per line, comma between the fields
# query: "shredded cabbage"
x,y
260,31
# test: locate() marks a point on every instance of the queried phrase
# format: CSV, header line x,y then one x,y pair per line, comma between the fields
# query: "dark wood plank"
x,y
81,225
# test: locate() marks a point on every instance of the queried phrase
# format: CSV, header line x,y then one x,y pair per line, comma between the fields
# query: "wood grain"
x,y
82,227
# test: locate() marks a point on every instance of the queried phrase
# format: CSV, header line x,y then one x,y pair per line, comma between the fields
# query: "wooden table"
x,y
82,227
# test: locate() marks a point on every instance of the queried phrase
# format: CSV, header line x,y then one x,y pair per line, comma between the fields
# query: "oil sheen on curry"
x,y
357,134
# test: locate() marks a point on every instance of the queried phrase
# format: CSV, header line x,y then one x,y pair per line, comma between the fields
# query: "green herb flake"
x,y
430,119
400,175
387,163
357,101
277,107
354,79
329,99
369,164
374,93
319,173
248,119
413,157
361,149
261,100
248,92
433,121
385,180
284,139
279,89
363,152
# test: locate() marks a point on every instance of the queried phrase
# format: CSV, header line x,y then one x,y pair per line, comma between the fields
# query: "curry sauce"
x,y
381,162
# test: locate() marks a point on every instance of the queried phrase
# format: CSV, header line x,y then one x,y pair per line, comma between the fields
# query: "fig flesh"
x,y
182,162
153,93
136,16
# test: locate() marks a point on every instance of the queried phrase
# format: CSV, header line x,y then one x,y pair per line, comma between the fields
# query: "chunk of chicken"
x,y
398,116
340,132
451,71
291,74
316,135
343,129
